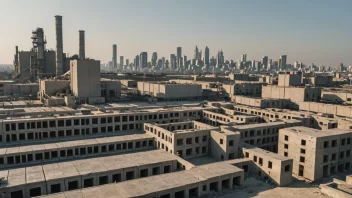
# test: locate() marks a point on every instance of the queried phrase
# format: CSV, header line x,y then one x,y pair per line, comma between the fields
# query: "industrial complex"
x,y
69,130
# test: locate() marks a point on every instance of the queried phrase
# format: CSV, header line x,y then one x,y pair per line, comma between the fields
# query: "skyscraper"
x,y
200,55
121,62
172,61
179,56
244,58
127,63
220,59
163,62
114,56
154,58
265,62
136,62
206,56
143,60
282,63
196,53
185,62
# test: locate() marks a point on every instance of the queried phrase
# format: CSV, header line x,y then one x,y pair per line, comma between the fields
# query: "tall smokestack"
x,y
82,51
16,56
114,56
59,45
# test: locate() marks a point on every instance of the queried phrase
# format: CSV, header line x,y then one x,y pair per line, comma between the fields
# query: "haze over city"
x,y
315,31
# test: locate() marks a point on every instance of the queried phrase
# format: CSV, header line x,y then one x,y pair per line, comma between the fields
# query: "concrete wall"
x,y
276,167
50,87
224,145
170,91
21,89
295,94
338,110
286,80
85,78
336,97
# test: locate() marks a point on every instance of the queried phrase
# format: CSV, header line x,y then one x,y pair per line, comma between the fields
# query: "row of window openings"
x,y
259,133
262,141
179,142
72,152
86,121
75,132
190,151
73,185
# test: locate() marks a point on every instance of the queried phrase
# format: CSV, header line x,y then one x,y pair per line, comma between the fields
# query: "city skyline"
x,y
307,35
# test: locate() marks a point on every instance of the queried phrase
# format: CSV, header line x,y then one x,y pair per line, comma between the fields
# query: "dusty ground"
x,y
259,189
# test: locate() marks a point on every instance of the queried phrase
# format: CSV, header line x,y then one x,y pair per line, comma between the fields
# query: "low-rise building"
x,y
170,91
316,153
272,165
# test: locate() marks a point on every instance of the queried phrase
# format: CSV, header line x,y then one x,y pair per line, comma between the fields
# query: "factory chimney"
x,y
16,56
59,45
82,51
114,56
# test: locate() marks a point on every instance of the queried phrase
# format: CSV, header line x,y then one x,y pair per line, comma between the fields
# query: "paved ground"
x,y
259,189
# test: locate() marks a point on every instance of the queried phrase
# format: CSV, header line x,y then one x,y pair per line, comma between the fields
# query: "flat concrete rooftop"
x,y
41,173
70,144
149,185
259,125
315,132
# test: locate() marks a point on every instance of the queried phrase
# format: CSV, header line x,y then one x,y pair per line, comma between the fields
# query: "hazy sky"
x,y
311,31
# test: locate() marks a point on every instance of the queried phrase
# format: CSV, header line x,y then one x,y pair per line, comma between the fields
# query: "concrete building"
x,y
85,81
221,118
290,79
245,88
323,81
170,91
332,109
72,150
67,124
295,94
272,165
261,102
66,176
184,139
337,95
196,182
262,135
316,154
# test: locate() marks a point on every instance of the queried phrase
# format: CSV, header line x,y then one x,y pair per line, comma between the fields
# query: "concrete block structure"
x,y
278,168
262,102
51,152
316,154
76,174
170,91
295,94
321,81
224,144
245,88
336,95
337,110
196,182
67,123
290,79
185,139
263,135
85,80
217,119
